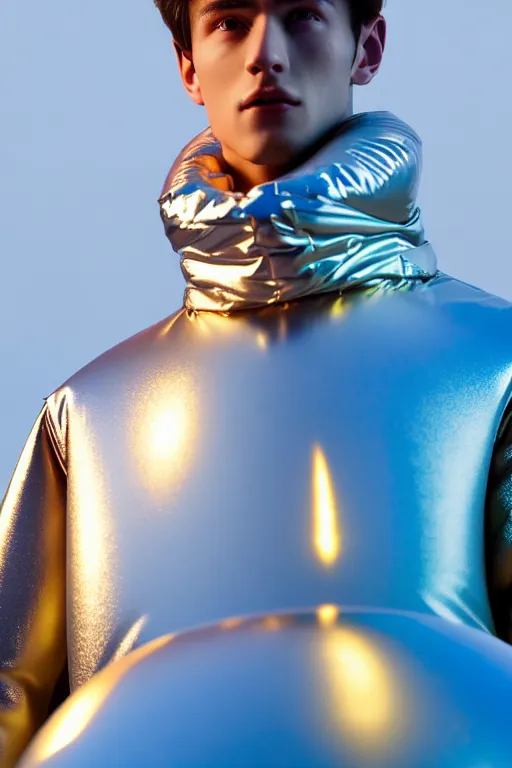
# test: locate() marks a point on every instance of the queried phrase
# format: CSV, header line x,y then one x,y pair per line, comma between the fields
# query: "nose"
x,y
267,48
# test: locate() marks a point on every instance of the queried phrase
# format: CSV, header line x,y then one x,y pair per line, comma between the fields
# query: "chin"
x,y
274,151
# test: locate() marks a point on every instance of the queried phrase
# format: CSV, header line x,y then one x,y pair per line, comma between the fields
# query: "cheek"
x,y
326,66
216,62
216,76
219,107
340,61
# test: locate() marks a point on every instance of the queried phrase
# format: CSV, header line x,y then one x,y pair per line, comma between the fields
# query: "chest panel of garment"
x,y
227,466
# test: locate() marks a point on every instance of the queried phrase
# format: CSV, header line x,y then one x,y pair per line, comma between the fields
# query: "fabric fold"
x,y
345,217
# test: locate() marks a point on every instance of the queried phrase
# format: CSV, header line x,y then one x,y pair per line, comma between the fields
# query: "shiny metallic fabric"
x,y
330,450
345,217
335,450
322,689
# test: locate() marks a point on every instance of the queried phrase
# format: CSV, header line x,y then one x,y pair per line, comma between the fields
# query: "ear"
x,y
370,50
188,74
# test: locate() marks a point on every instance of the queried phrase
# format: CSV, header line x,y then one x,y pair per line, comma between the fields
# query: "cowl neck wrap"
x,y
344,218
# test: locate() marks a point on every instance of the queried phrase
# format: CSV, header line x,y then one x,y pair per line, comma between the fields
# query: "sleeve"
x,y
32,588
499,530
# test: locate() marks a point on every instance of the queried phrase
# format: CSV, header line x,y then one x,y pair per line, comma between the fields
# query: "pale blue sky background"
x,y
92,115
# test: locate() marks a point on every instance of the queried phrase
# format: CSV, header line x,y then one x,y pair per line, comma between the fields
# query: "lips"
x,y
268,97
266,102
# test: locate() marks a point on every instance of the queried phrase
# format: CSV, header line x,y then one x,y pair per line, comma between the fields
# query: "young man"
x,y
317,425
303,57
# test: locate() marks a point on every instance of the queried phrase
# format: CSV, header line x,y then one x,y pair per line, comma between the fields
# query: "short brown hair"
x,y
175,14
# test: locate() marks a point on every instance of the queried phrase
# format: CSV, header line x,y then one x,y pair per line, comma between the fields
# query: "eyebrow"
x,y
214,6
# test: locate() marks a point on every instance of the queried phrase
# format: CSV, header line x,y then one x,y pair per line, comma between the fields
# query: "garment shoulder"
x,y
136,353
470,306
468,291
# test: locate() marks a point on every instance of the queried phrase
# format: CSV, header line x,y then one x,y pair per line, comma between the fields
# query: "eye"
x,y
227,20
230,24
303,14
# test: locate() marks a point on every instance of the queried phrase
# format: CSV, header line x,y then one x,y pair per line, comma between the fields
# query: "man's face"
x,y
304,47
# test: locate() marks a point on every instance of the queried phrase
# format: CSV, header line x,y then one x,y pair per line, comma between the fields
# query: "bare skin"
x,y
305,47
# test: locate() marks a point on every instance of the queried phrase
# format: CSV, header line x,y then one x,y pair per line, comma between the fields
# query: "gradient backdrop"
x,y
92,115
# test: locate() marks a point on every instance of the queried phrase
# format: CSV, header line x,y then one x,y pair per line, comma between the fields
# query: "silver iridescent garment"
x,y
328,446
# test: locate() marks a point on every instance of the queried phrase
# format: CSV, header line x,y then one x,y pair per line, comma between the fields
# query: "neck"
x,y
247,175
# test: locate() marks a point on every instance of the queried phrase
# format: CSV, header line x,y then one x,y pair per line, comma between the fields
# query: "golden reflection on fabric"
x,y
359,688
327,615
79,713
81,709
91,537
32,591
326,536
164,432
